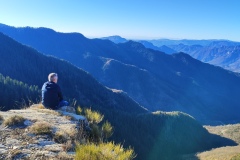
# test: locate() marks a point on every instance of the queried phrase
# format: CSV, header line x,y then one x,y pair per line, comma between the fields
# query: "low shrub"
x,y
93,116
106,151
60,137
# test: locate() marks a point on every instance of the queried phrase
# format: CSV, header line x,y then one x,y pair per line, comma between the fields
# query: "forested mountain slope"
x,y
154,79
153,135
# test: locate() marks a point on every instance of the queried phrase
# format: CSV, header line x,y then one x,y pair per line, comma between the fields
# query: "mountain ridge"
x,y
225,54
156,135
174,82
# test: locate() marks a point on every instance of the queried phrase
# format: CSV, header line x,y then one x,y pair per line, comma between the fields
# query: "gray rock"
x,y
2,146
44,143
27,123
2,151
11,142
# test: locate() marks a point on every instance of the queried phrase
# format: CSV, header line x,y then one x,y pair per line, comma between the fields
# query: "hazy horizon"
x,y
186,19
128,38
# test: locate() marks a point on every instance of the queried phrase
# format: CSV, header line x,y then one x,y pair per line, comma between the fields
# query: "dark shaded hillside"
x,y
153,135
14,93
168,135
154,79
27,65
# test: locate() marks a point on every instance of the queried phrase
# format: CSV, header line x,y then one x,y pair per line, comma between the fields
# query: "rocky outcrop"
x,y
18,142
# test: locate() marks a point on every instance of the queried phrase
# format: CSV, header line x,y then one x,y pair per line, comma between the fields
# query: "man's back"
x,y
51,95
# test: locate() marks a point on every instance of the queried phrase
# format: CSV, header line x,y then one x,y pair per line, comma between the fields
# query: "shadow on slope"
x,y
186,84
167,135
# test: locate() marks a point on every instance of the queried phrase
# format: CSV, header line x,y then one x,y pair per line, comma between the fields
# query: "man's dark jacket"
x,y
51,95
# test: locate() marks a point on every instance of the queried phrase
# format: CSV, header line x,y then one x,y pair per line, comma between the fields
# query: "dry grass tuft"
x,y
71,132
236,157
68,146
14,153
106,151
1,119
40,106
37,106
40,128
14,121
61,137
49,111
64,156
70,118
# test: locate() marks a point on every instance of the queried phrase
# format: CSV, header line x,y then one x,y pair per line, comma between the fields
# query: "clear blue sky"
x,y
136,19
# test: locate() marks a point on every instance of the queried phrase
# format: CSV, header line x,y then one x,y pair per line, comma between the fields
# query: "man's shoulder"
x,y
49,84
46,82
54,85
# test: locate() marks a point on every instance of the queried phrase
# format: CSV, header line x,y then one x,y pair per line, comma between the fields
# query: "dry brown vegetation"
x,y
70,118
1,119
40,128
63,136
39,106
49,111
228,131
223,153
14,121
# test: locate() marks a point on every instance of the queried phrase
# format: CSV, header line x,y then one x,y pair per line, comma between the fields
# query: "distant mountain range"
x,y
223,53
167,42
152,78
163,48
220,53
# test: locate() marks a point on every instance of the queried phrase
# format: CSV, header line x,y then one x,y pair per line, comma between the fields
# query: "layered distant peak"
x,y
167,49
39,32
223,43
133,44
3,25
116,39
163,48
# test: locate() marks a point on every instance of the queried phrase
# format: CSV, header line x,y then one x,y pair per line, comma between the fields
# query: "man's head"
x,y
53,77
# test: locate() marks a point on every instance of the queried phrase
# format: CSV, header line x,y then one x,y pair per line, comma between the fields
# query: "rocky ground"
x,y
17,142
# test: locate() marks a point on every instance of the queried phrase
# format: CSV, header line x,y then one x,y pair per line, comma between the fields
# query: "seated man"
x,y
51,93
